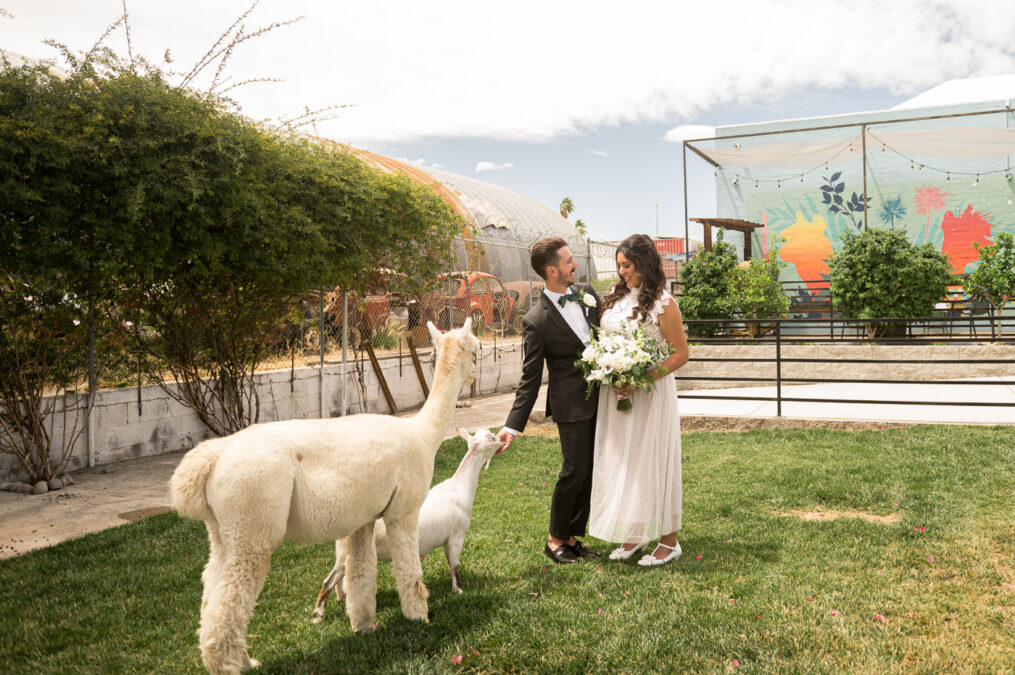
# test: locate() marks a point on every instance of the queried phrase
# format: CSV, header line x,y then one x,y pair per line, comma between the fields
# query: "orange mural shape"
x,y
806,247
960,232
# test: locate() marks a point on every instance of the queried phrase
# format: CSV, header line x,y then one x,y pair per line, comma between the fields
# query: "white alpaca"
x,y
443,519
316,481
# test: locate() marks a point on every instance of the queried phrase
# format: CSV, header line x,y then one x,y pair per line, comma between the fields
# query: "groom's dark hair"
x,y
545,254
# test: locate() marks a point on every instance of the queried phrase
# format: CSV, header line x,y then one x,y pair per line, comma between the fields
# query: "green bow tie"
x,y
573,296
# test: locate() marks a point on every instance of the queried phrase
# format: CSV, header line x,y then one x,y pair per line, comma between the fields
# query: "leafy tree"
x,y
879,274
160,209
757,290
581,227
993,279
709,281
566,207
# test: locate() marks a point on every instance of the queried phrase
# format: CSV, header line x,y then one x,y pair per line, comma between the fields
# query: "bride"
x,y
636,482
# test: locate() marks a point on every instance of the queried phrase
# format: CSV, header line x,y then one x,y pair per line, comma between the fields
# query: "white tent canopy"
x,y
957,142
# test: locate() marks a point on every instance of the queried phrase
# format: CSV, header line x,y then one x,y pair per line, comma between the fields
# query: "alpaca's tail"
x,y
187,486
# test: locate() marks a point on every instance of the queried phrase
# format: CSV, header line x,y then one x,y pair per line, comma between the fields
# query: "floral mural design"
x,y
961,232
928,200
831,195
806,247
891,211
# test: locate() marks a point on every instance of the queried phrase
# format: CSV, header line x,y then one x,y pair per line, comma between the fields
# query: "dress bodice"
x,y
618,318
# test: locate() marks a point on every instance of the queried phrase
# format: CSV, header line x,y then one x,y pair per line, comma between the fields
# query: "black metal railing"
x,y
776,336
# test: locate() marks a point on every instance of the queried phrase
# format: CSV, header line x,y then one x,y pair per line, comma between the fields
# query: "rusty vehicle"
x,y
458,295
525,294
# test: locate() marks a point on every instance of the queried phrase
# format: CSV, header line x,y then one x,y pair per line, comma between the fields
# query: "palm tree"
x,y
566,206
580,226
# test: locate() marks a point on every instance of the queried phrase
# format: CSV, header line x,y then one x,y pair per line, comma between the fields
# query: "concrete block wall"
x,y
826,365
125,430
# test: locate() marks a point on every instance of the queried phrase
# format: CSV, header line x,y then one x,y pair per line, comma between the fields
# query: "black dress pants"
x,y
569,508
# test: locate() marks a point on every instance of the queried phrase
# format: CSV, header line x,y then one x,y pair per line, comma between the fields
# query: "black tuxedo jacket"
x,y
548,338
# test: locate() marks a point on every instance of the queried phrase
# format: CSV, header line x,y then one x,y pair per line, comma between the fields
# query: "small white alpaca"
x,y
443,519
316,481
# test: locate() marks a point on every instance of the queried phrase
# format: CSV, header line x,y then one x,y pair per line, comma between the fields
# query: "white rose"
x,y
589,300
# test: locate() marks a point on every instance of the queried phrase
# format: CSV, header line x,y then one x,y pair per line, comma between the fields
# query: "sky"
x,y
553,99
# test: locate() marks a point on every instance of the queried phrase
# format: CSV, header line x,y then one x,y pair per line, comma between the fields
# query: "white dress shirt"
x,y
573,313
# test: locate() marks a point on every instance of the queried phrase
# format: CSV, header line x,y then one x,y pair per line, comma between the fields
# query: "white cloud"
x,y
419,162
689,131
493,166
600,153
406,70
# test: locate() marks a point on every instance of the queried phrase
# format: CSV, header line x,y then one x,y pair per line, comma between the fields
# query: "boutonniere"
x,y
580,296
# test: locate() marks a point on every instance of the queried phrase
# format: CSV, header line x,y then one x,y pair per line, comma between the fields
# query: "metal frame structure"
x,y
863,132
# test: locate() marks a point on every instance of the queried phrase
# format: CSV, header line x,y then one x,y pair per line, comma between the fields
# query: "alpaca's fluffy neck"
x,y
436,412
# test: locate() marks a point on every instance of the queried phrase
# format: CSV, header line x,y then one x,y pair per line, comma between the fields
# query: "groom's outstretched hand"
x,y
507,438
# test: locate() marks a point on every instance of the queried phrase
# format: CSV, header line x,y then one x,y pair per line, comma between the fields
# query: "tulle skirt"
x,y
636,480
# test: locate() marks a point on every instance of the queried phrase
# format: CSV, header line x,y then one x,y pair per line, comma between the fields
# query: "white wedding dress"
x,y
636,481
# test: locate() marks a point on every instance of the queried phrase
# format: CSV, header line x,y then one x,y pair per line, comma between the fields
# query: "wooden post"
x,y
380,376
419,368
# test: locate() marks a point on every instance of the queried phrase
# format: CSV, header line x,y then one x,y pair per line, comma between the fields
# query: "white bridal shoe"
x,y
650,560
623,554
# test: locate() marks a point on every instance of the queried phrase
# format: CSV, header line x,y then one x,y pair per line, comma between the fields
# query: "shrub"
x,y
879,274
993,280
709,287
757,291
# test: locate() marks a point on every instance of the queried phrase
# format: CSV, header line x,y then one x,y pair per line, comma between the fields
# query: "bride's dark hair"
x,y
640,250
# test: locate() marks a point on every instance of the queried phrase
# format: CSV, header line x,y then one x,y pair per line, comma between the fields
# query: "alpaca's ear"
x,y
467,326
435,335
464,434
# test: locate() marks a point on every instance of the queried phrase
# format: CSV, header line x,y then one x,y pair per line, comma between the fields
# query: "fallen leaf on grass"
x,y
834,612
919,528
699,557
930,559
456,660
881,618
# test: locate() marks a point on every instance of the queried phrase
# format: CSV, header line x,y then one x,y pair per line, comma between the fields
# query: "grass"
x,y
756,590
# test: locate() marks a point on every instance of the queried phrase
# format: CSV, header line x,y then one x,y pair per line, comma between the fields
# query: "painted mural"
x,y
951,215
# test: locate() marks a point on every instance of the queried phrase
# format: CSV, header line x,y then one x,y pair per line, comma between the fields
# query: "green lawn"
x,y
759,588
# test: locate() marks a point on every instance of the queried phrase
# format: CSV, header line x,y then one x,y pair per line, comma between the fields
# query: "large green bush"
x,y
162,208
717,287
880,274
709,288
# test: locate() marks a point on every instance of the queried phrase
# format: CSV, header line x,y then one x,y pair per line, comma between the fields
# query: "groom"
x,y
556,329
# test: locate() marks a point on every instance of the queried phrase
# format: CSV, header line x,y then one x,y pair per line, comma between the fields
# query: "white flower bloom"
x,y
76,322
589,300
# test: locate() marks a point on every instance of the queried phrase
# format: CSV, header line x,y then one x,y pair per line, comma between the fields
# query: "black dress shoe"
x,y
562,555
580,550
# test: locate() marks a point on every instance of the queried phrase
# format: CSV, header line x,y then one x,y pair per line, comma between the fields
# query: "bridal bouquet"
x,y
619,359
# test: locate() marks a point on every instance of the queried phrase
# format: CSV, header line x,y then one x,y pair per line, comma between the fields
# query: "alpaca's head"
x,y
457,349
483,445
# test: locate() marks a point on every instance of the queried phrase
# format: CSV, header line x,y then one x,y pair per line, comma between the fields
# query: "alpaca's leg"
x,y
333,582
230,604
403,539
361,578
211,571
452,551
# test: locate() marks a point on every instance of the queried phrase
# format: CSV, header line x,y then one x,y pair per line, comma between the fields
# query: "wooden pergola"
x,y
745,226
